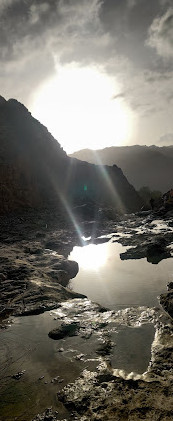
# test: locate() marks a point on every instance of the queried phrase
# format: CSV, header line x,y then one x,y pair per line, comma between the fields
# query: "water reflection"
x,y
90,257
106,279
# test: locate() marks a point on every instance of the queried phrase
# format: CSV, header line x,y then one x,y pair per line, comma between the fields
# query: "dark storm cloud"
x,y
129,39
25,20
34,34
128,22
41,21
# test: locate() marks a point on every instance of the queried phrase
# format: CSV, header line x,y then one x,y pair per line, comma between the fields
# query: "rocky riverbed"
x,y
34,278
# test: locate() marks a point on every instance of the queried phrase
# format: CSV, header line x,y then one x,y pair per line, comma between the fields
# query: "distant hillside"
x,y
150,166
35,171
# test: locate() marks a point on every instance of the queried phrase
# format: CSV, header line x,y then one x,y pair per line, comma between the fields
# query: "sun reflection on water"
x,y
90,257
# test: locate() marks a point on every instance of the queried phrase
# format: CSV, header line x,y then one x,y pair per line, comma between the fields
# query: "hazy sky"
x,y
96,72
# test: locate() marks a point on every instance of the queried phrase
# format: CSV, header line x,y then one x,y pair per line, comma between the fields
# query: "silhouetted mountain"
x,y
36,172
150,166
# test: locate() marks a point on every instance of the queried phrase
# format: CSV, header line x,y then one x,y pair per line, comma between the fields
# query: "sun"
x,y
79,109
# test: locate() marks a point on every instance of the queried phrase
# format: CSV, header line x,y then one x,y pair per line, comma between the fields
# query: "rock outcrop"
x,y
35,171
150,166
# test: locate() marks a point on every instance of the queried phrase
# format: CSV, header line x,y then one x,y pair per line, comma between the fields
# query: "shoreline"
x,y
34,270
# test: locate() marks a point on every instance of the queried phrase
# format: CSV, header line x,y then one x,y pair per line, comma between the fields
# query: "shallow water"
x,y
116,283
25,346
106,279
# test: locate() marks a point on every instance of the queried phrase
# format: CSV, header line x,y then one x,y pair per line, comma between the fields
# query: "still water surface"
x,y
116,283
104,278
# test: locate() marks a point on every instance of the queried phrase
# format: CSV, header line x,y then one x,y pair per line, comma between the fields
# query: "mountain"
x,y
35,172
150,166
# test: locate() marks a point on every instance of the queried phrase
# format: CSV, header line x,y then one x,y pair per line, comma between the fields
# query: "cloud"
x,y
38,35
131,3
161,34
120,95
166,139
34,36
4,4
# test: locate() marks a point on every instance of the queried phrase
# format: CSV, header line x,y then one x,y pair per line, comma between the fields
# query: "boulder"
x,y
64,330
61,276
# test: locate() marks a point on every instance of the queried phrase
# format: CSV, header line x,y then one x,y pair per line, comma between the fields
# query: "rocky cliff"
x,y
150,166
35,171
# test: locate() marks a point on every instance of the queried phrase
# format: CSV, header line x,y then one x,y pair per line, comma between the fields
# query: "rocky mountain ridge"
x,y
150,166
35,171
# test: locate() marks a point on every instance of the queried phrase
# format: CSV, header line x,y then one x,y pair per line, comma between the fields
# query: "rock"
x,y
70,267
166,300
133,253
64,265
55,379
33,250
170,286
107,397
64,330
17,272
2,100
154,251
2,277
105,348
100,240
18,375
79,357
157,251
61,276
48,415
53,245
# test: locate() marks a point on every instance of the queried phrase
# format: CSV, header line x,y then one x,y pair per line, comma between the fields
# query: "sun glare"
x,y
79,109
90,257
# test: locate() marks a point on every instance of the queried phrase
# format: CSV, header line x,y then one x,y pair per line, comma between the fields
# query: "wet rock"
x,y
133,253
79,357
64,330
170,286
48,415
106,397
70,267
18,375
105,348
86,333
55,379
102,309
155,251
53,245
61,276
100,240
166,300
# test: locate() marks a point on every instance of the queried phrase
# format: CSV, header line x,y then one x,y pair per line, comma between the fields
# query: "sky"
x,y
97,73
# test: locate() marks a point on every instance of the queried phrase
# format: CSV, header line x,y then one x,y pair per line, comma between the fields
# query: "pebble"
x,y
18,375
